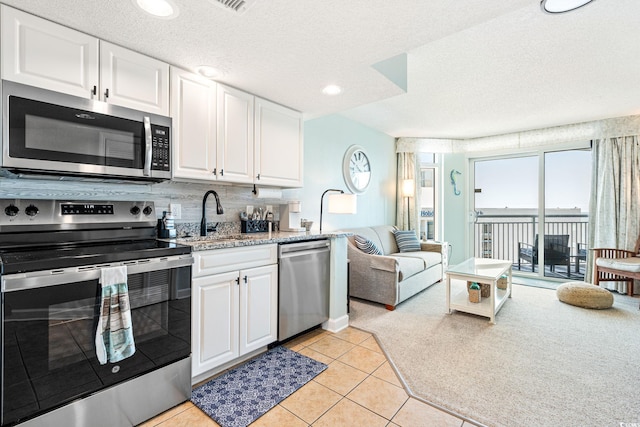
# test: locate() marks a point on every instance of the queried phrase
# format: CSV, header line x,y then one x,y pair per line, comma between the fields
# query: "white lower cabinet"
x,y
233,312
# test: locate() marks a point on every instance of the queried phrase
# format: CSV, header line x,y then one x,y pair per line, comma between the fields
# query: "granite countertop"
x,y
202,243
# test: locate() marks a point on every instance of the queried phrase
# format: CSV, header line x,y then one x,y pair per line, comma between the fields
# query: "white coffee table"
x,y
481,270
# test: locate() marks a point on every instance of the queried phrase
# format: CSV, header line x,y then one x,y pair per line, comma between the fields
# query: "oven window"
x,y
49,339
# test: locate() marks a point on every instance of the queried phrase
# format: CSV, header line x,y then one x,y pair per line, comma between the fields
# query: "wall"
x,y
326,140
454,207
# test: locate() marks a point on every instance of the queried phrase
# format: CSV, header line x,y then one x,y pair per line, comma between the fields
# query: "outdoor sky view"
x,y
513,183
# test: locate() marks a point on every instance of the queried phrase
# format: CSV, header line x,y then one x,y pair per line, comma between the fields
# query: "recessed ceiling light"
x,y
209,72
561,6
332,90
165,9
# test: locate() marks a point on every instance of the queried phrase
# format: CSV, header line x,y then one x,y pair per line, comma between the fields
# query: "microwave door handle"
x,y
146,171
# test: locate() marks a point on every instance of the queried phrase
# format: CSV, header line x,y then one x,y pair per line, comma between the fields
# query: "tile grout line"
x,y
410,392
368,375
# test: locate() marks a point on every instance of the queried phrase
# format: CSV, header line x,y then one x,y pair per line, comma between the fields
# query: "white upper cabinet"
x,y
279,145
133,80
44,54
40,53
193,109
235,135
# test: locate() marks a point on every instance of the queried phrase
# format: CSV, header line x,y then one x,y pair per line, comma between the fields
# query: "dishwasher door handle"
x,y
285,248
294,254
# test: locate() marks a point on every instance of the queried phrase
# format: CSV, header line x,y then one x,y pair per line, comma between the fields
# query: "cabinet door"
x,y
279,145
235,135
132,80
41,53
214,321
258,307
193,109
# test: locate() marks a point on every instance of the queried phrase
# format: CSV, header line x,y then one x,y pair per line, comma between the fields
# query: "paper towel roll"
x,y
268,193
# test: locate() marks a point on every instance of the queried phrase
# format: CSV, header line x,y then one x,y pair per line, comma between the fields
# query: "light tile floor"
x,y
360,388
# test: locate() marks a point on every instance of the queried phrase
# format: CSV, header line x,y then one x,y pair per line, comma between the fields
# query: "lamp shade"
x,y
343,203
408,187
561,6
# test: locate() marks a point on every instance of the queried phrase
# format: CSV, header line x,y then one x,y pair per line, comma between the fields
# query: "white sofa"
x,y
394,276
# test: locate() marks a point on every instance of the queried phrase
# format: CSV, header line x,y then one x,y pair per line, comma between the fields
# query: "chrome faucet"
x,y
219,211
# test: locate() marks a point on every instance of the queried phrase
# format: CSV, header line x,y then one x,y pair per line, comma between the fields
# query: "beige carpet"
x,y
544,363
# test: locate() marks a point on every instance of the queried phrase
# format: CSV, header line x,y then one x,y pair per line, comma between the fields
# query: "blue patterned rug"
x,y
240,396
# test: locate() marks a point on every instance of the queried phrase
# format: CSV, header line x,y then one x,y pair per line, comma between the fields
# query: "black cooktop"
x,y
26,259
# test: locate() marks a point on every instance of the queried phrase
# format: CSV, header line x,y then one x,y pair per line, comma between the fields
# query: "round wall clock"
x,y
356,169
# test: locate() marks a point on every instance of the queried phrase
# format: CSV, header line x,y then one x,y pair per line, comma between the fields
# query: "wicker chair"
x,y
556,252
617,265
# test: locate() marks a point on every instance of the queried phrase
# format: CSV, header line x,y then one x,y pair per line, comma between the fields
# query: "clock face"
x,y
357,169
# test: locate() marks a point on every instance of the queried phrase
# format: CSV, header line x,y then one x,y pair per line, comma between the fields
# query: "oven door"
x,y
49,132
49,322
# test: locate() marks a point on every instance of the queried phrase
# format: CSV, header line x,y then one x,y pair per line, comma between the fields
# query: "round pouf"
x,y
585,295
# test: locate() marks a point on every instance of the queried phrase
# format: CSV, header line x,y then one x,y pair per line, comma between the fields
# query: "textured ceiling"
x,y
474,67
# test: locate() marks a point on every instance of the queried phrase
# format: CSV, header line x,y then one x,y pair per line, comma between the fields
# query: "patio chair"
x,y
556,252
581,254
617,265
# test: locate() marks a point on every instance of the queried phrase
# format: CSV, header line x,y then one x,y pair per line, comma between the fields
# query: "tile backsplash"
x,y
233,198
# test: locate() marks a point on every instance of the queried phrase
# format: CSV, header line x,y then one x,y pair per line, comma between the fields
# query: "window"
x,y
428,195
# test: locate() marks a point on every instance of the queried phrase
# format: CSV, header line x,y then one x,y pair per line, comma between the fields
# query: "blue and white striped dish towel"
x,y
114,334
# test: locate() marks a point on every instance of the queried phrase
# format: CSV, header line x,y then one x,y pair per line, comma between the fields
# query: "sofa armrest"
x,y
442,248
373,277
377,262
432,246
384,263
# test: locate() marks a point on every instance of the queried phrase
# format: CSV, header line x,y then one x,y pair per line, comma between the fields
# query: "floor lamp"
x,y
339,203
408,191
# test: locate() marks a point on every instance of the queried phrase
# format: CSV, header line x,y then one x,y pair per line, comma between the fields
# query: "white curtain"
x,y
406,212
614,213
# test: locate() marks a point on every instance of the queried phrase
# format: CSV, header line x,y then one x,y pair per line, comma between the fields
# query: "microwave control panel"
x,y
161,154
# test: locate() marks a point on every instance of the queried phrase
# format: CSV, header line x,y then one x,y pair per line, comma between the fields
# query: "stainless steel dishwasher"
x,y
303,300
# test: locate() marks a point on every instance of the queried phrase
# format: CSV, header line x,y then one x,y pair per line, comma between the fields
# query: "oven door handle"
x,y
148,147
39,279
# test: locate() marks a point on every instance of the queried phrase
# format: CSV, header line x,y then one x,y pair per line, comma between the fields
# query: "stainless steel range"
x,y
52,254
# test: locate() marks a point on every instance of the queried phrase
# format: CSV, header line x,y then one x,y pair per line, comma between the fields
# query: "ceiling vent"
x,y
238,6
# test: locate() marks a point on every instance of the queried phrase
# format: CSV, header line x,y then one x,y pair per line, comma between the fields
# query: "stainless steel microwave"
x,y
50,133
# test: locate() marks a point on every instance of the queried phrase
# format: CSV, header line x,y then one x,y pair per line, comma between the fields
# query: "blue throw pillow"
x,y
407,240
366,245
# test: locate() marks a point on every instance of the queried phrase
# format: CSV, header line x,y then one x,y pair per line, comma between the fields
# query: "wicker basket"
x,y
484,287
502,282
475,295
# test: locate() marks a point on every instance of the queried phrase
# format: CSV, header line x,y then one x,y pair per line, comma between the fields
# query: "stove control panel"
x,y
65,214
86,209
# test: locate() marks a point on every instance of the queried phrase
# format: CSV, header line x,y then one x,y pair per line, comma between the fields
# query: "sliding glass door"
x,y
505,206
567,185
510,192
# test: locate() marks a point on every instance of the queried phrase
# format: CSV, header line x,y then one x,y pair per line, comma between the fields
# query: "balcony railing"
x,y
497,236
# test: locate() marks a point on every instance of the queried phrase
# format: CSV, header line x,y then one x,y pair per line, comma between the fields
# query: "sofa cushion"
x,y
407,240
366,245
429,258
409,266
